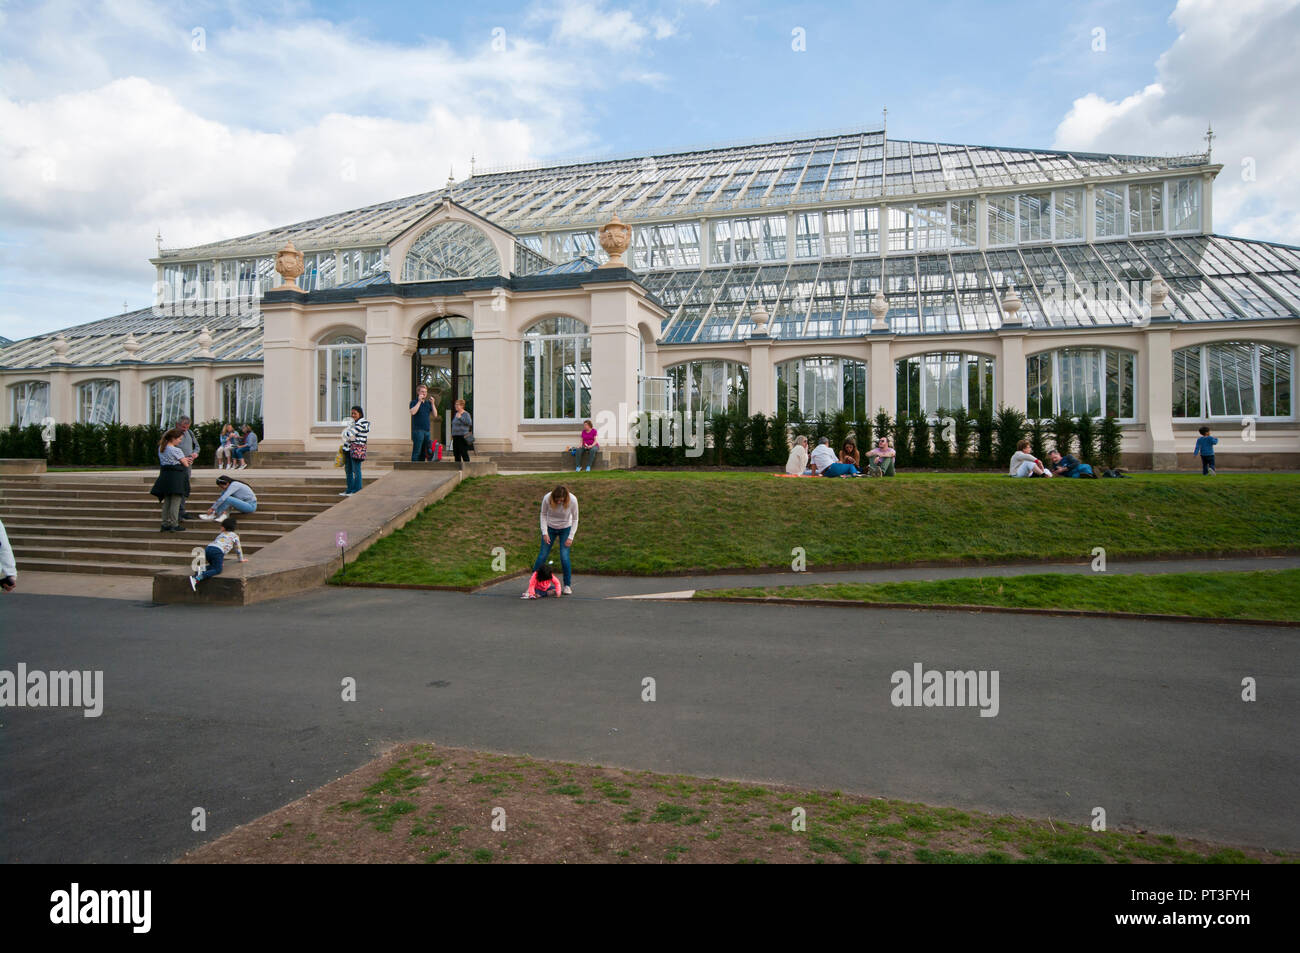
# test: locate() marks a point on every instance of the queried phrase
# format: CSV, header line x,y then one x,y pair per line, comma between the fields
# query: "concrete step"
x,y
264,522
159,543
95,566
131,494
298,513
121,557
37,531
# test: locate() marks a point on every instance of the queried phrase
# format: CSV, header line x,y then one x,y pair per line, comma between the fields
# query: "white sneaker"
x,y
568,590
526,596
194,583
243,465
345,493
206,516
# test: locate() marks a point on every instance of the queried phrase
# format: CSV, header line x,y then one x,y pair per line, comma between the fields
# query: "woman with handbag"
x,y
462,432
355,436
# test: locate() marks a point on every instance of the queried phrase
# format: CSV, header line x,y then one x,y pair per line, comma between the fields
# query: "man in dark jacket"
x,y
190,447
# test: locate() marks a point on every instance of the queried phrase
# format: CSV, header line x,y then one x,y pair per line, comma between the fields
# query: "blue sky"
x,y
214,119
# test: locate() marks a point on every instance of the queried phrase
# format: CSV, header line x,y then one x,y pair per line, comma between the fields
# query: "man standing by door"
x,y
423,411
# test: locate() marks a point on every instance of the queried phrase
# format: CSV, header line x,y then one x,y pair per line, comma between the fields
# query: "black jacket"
x,y
173,480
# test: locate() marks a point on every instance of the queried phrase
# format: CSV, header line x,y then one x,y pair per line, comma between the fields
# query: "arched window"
x,y
709,387
451,250
340,377
29,402
1233,379
557,370
97,402
241,399
1079,381
170,399
813,385
944,380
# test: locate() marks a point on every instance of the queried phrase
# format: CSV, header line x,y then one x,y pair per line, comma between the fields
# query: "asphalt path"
x,y
240,711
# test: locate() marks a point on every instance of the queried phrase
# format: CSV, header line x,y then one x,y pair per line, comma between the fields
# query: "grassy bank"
x,y
1273,594
428,804
653,523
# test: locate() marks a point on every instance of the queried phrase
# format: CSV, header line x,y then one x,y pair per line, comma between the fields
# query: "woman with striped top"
x,y
355,436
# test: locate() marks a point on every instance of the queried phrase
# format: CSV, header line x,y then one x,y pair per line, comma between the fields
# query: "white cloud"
x,y
1233,65
114,128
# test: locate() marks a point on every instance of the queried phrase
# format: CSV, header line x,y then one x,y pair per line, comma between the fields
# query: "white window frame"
x,y
963,358
581,340
240,398
85,418
328,351
1101,379
28,388
1206,416
161,419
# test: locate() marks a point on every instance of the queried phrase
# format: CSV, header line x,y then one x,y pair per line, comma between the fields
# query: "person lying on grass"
x,y
1068,466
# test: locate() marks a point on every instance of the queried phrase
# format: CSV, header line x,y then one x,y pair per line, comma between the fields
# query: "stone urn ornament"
x,y
289,263
879,308
760,318
1011,305
615,238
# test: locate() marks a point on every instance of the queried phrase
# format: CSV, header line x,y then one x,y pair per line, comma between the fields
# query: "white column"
x,y
881,376
762,377
498,369
1155,395
289,385
1010,375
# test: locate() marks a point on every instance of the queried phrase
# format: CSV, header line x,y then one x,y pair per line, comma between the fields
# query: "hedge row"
x,y
949,440
105,445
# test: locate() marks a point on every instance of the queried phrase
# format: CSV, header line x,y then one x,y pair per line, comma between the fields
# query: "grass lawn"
x,y
1272,594
661,523
422,803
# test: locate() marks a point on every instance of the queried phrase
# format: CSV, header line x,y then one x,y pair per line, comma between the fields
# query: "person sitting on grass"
x,y
880,458
822,457
543,583
1068,466
846,465
1025,464
217,550
849,454
797,462
1205,450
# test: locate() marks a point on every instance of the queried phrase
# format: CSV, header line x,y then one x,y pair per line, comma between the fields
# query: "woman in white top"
x,y
797,462
559,523
355,436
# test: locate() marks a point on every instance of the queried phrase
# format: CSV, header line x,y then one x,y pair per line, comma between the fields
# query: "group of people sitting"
x,y
236,445
824,462
1025,464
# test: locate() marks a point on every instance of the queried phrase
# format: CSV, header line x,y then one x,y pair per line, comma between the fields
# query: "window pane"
x,y
1109,210
1230,379
1187,382
1068,206
1185,205
1145,211
97,402
1035,216
1002,219
31,403
1274,381
1038,376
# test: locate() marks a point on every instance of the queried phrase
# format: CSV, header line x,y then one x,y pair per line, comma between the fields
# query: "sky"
x,y
123,119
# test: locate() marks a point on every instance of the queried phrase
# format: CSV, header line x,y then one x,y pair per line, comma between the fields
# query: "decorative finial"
x,y
130,345
884,117
1011,304
760,318
471,165
615,237
879,308
451,179
1159,299
60,345
289,263
158,239
205,343
1209,140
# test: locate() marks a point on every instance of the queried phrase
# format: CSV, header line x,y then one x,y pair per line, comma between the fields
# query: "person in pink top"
x,y
543,583
588,446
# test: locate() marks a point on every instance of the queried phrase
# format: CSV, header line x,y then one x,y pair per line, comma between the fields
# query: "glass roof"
x,y
1211,278
849,167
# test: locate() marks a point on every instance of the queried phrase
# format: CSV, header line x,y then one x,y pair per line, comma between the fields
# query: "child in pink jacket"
x,y
543,583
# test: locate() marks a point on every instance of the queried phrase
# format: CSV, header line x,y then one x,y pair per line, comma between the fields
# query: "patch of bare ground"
x,y
424,803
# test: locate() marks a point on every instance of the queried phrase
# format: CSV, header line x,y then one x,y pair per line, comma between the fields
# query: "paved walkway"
x,y
683,587
239,711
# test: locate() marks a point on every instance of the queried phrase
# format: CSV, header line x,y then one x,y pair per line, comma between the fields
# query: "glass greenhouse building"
x,y
847,272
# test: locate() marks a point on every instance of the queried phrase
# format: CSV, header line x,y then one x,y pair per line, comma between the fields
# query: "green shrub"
x,y
1038,438
920,441
984,430
962,430
1110,439
1009,428
1062,433
940,455
1085,432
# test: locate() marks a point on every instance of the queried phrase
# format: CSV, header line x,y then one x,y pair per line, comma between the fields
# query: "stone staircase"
x,y
108,523
556,461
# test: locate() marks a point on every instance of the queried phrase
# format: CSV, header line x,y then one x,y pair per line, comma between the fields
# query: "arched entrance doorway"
x,y
444,362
